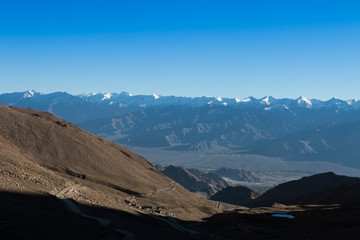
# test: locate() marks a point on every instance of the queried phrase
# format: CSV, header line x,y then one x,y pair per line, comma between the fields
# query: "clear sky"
x,y
237,48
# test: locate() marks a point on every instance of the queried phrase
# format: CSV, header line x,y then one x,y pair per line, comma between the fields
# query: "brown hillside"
x,y
43,153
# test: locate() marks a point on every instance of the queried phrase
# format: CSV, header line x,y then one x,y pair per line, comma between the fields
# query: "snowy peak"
x,y
304,101
29,94
106,96
265,101
268,101
238,100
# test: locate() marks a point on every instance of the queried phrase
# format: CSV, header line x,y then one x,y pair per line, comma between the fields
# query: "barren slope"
x,y
42,153
195,180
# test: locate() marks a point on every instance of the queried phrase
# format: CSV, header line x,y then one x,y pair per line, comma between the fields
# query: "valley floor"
x,y
206,160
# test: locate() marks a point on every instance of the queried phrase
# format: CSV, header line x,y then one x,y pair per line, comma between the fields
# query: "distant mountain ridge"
x,y
195,180
207,183
249,125
267,102
125,100
334,142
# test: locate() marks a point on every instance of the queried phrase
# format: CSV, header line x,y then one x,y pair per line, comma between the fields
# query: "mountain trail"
x,y
72,207
157,191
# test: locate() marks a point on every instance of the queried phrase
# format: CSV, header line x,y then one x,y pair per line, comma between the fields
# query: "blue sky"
x,y
185,48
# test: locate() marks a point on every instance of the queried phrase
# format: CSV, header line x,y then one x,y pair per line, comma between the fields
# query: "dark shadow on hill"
x,y
323,188
317,222
29,216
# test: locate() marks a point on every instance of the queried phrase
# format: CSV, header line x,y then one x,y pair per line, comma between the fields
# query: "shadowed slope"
x,y
309,222
290,192
40,216
345,194
235,195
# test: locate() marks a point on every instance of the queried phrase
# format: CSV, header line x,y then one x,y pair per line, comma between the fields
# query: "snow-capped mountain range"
x,y
267,102
125,99
296,129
